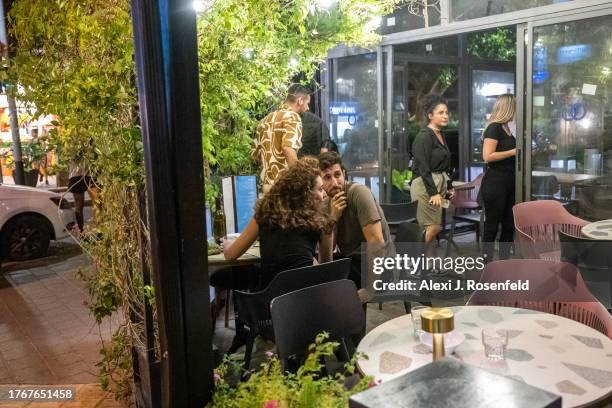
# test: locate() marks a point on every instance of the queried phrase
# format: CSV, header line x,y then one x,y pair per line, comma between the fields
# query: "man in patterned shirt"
x,y
279,135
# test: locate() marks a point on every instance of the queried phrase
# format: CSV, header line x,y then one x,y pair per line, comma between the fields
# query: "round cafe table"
x,y
598,230
546,351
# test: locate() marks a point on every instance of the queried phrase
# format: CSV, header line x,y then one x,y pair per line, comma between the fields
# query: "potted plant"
x,y
398,180
269,387
32,154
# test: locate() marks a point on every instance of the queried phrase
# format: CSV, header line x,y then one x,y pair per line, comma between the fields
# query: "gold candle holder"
x,y
438,321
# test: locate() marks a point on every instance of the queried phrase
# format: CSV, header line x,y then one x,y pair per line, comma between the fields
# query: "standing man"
x,y
315,134
359,218
279,135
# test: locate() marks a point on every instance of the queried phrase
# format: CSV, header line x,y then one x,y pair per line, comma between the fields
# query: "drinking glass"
x,y
495,341
415,312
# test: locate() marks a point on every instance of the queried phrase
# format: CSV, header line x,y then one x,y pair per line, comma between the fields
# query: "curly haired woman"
x,y
289,220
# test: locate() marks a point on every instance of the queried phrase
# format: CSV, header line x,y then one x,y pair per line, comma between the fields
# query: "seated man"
x,y
358,216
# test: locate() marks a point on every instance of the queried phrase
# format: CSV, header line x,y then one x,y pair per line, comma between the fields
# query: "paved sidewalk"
x,y
47,335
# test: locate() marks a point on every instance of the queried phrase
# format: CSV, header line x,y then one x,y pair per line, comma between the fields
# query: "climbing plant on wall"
x,y
74,59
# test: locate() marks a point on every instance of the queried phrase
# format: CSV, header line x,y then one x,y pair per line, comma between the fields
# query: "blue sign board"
x,y
343,108
245,198
573,53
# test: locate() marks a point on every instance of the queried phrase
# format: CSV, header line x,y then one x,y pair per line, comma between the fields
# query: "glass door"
x,y
487,84
416,69
570,115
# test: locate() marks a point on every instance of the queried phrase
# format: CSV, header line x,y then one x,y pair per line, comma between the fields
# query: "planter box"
x,y
31,177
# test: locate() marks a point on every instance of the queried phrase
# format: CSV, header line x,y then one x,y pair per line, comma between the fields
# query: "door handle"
x,y
519,159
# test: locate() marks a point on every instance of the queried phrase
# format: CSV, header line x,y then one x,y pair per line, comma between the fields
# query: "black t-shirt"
x,y
505,142
282,249
314,133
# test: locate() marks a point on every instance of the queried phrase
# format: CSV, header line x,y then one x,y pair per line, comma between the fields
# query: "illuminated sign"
x,y
343,108
573,53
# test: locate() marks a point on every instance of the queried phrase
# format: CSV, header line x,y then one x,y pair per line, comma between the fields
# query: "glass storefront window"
x,y
436,47
468,9
412,81
353,116
408,16
572,116
498,44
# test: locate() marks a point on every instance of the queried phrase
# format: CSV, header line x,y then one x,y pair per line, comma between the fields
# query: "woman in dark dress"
x,y
497,189
290,221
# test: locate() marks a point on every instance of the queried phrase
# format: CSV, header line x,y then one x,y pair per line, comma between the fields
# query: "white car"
x,y
29,219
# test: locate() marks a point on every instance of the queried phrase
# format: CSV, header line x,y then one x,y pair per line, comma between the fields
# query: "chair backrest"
x,y
594,259
538,224
468,198
298,317
254,307
586,251
410,239
399,212
554,287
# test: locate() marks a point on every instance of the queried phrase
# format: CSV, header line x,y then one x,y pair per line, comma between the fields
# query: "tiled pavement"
x,y
47,335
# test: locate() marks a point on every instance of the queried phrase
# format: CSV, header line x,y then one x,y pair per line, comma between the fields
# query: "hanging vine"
x,y
74,59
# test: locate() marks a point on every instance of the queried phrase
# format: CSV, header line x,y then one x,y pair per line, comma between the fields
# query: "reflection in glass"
x,y
353,115
446,46
410,15
486,86
468,9
572,116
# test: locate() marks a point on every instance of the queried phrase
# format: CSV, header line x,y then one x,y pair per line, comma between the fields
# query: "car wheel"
x,y
25,237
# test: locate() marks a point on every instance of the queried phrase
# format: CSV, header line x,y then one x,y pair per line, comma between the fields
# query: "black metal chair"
x,y
409,240
396,214
594,259
544,187
254,307
333,307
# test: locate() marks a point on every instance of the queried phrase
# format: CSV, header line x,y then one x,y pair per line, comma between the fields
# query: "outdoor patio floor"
x,y
47,335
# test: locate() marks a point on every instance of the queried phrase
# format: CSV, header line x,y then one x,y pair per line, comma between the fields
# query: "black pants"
x,y
498,196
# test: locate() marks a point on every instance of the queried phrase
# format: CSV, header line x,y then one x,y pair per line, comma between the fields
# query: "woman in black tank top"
x,y
289,221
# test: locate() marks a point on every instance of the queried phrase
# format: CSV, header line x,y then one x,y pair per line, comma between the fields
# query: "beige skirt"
x,y
428,214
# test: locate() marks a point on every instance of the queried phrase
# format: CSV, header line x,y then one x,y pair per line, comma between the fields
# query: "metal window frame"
x,y
573,10
524,21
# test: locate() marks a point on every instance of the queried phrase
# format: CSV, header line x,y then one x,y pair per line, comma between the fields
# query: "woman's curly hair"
x,y
290,203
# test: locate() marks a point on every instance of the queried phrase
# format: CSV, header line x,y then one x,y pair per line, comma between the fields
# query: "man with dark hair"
x,y
279,135
315,134
359,218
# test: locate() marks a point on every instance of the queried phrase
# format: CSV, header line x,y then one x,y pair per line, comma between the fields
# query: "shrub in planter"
x,y
32,153
271,388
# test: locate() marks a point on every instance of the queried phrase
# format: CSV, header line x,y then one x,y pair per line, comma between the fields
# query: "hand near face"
x,y
337,205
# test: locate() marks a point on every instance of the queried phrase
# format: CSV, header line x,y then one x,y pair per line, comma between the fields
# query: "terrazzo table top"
x,y
598,230
546,351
